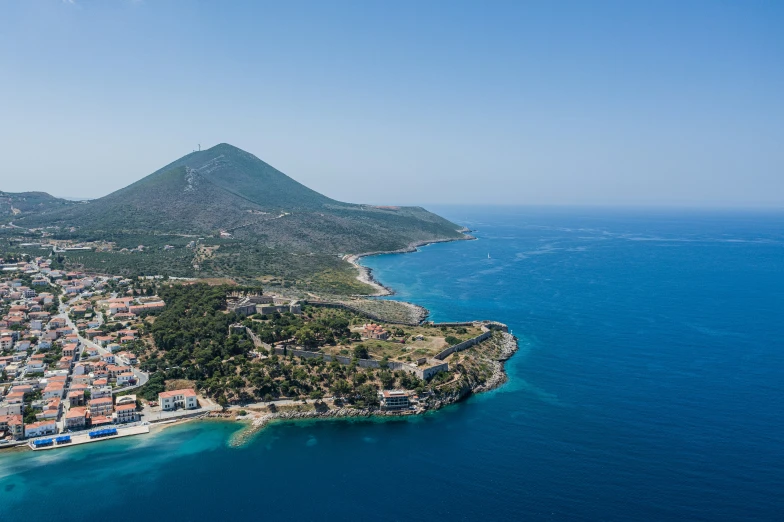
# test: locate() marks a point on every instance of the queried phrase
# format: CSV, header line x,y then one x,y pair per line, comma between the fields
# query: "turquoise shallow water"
x,y
649,386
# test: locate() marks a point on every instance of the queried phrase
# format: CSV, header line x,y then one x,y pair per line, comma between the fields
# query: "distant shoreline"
x,y
366,274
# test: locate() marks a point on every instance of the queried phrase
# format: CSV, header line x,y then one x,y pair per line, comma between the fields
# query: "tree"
x,y
387,379
340,388
317,395
368,395
360,352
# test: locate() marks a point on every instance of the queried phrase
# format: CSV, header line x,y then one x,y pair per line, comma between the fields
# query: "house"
x,y
99,420
6,342
75,398
11,409
53,389
126,413
127,358
171,400
13,426
92,332
36,366
103,340
115,370
15,397
24,388
393,399
63,331
125,378
76,418
147,307
108,358
51,410
83,387
36,429
98,392
82,379
101,407
117,308
69,350
64,363
374,331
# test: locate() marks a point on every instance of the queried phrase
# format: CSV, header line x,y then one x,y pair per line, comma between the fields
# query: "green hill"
x,y
21,203
273,225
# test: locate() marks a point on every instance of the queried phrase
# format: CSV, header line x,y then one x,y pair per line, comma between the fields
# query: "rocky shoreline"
x,y
498,377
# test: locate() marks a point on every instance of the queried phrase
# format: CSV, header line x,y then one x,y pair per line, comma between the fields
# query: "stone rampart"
x,y
422,373
369,315
465,344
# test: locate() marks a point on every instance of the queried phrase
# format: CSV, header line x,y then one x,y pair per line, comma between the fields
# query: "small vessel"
x,y
488,255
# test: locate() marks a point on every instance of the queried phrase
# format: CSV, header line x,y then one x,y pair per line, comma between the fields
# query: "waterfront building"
x,y
171,400
76,418
126,413
36,429
12,425
101,407
394,399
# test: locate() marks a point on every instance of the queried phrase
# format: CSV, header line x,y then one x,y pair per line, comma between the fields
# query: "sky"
x,y
404,102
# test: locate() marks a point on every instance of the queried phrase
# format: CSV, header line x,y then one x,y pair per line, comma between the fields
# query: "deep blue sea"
x,y
649,385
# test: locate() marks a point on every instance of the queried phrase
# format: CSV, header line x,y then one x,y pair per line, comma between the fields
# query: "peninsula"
x,y
218,286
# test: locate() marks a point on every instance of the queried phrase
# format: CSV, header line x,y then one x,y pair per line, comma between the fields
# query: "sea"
x,y
648,385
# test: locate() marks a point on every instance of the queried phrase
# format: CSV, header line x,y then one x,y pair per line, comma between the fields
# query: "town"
x,y
88,357
67,361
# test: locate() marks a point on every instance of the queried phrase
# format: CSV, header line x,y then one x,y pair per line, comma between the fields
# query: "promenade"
x,y
84,438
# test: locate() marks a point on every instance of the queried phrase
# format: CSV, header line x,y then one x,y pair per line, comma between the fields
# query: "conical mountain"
x,y
231,195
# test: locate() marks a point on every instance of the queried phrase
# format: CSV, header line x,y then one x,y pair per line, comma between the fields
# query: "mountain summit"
x,y
229,194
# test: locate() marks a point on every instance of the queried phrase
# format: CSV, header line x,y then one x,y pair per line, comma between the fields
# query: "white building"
x,y
36,429
171,400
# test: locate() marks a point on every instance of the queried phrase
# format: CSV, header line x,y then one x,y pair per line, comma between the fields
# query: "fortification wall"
x,y
422,373
369,315
465,344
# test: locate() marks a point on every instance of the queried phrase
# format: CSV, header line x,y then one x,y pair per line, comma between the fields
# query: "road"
x,y
142,377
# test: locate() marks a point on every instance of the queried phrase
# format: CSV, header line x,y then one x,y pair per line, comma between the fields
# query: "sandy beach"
x,y
365,274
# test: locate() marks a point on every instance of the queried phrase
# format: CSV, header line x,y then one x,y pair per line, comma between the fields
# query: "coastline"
x,y
258,421
366,274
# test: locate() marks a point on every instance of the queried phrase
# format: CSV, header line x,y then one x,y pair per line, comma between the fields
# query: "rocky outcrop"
x,y
507,344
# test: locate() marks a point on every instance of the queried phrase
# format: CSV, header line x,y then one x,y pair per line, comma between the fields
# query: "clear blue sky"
x,y
607,103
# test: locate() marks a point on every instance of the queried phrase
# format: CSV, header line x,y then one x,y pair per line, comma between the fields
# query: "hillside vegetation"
x,y
248,218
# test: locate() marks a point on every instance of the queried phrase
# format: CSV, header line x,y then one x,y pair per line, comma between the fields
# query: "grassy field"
x,y
404,345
